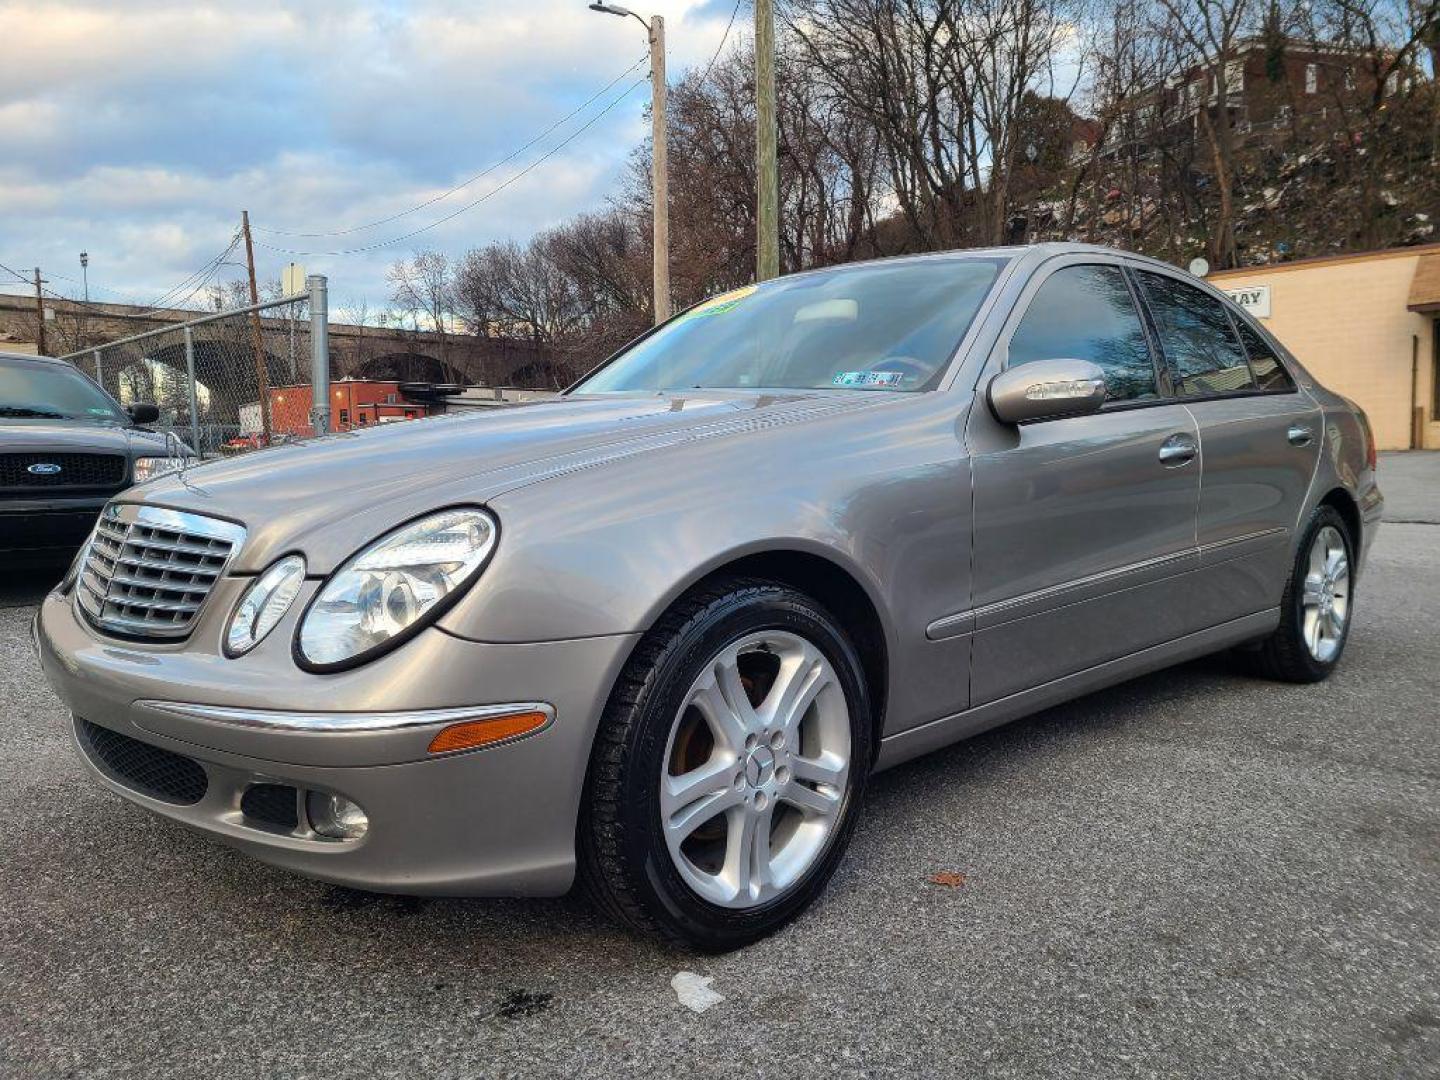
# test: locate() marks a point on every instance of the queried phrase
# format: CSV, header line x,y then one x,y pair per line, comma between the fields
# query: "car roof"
x,y
1016,253
33,358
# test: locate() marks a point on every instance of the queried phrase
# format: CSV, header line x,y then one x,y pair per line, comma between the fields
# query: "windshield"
x,y
37,390
885,326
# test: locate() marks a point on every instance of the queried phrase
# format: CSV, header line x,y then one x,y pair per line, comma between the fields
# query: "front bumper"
x,y
494,821
47,526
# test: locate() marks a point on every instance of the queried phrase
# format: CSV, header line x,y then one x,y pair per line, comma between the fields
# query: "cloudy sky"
x,y
137,130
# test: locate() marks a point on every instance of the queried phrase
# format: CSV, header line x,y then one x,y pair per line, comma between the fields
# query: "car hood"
x,y
75,435
329,495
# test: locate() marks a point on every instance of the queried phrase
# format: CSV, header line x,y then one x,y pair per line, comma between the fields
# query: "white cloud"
x,y
138,131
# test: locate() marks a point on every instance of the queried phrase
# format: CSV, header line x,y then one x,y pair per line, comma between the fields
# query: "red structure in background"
x,y
354,404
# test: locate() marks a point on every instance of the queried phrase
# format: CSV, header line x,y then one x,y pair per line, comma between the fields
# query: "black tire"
x,y
624,861
1284,655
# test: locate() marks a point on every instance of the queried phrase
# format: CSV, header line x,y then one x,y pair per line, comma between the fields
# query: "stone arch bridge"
x,y
360,352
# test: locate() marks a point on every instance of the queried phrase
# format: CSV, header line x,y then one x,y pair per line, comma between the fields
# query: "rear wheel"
x,y
1316,608
727,772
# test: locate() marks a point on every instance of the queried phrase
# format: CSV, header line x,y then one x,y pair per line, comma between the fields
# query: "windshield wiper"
x,y
29,411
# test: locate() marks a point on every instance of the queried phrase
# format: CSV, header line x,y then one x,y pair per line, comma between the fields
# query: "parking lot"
x,y
1193,874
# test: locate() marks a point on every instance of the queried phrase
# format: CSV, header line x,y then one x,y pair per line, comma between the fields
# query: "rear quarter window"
x,y
1270,373
1196,337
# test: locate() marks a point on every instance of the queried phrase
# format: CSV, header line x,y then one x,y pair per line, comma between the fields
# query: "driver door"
x,y
1084,527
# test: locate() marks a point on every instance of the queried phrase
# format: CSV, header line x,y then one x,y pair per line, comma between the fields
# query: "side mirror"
x,y
144,412
1046,389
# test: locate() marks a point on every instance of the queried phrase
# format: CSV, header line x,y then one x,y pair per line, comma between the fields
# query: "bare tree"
x,y
423,287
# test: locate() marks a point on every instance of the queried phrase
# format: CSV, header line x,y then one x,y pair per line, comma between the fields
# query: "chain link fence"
x,y
228,382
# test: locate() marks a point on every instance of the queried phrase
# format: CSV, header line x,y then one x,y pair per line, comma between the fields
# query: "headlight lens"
x,y
147,468
395,586
264,604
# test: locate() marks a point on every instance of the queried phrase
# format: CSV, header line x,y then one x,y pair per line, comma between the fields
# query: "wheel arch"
x,y
831,584
1344,504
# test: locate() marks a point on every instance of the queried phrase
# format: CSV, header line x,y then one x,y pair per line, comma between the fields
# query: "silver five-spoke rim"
x,y
1326,596
755,769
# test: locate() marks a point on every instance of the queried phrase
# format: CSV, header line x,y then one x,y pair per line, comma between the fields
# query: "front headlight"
x,y
147,468
264,605
393,588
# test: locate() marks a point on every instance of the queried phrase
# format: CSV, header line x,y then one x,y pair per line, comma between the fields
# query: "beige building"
x,y
1365,325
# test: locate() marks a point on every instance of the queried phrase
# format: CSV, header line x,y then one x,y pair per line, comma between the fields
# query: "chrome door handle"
x,y
1300,435
1178,450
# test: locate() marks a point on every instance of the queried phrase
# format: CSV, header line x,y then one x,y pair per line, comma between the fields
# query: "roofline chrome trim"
x,y
333,722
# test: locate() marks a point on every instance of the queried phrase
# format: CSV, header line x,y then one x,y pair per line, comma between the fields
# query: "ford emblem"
x,y
44,468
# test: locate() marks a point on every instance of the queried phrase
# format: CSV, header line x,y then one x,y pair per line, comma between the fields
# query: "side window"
x,y
1270,373
1197,338
1087,313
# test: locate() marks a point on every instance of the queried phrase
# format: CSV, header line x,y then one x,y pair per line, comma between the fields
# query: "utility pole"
x,y
84,320
40,349
767,181
262,378
660,168
659,150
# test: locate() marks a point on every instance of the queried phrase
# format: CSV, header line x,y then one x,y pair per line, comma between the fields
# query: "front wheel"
x,y
1316,609
728,767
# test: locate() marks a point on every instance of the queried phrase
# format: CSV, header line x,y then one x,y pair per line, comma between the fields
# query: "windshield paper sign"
x,y
867,378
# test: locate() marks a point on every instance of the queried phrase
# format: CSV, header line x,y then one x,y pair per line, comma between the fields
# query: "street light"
x,y
659,164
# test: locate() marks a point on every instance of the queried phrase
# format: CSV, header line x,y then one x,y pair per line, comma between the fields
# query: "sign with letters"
x,y
1253,298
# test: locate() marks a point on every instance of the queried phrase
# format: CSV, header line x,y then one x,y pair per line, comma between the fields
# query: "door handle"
x,y
1178,450
1300,435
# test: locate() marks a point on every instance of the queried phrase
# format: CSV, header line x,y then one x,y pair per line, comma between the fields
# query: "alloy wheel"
x,y
1325,597
755,770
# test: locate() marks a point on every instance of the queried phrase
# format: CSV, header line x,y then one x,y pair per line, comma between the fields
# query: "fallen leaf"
x,y
949,878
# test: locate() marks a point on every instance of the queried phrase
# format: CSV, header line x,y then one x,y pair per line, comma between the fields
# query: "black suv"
x,y
66,447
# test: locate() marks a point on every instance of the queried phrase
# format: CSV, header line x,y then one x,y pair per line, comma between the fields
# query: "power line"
x,y
29,281
194,282
470,205
459,187
723,38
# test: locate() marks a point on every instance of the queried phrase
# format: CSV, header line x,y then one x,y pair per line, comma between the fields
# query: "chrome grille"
x,y
148,571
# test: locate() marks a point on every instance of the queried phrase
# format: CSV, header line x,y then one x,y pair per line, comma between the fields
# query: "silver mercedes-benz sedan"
x,y
657,633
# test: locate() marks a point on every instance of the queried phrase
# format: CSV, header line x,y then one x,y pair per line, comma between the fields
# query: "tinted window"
x,y
887,326
1087,313
1270,374
34,389
1197,338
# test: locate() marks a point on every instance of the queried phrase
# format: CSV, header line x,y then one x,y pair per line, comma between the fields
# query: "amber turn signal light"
x,y
469,734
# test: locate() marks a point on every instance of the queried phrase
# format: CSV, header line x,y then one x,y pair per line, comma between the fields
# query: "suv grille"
x,y
106,471
148,769
148,571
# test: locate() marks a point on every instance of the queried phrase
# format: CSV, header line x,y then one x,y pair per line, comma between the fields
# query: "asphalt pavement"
x,y
1196,874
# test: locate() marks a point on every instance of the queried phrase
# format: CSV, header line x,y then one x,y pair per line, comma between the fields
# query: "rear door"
x,y
1084,526
1259,443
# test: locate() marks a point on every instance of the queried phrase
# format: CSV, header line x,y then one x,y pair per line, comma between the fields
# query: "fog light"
x,y
335,816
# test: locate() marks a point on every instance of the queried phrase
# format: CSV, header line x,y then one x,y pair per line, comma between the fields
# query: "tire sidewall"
x,y
664,891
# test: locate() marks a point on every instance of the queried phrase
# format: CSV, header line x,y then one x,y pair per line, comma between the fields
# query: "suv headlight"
x,y
147,468
395,587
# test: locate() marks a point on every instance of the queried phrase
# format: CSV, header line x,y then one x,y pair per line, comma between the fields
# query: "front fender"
x,y
884,495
